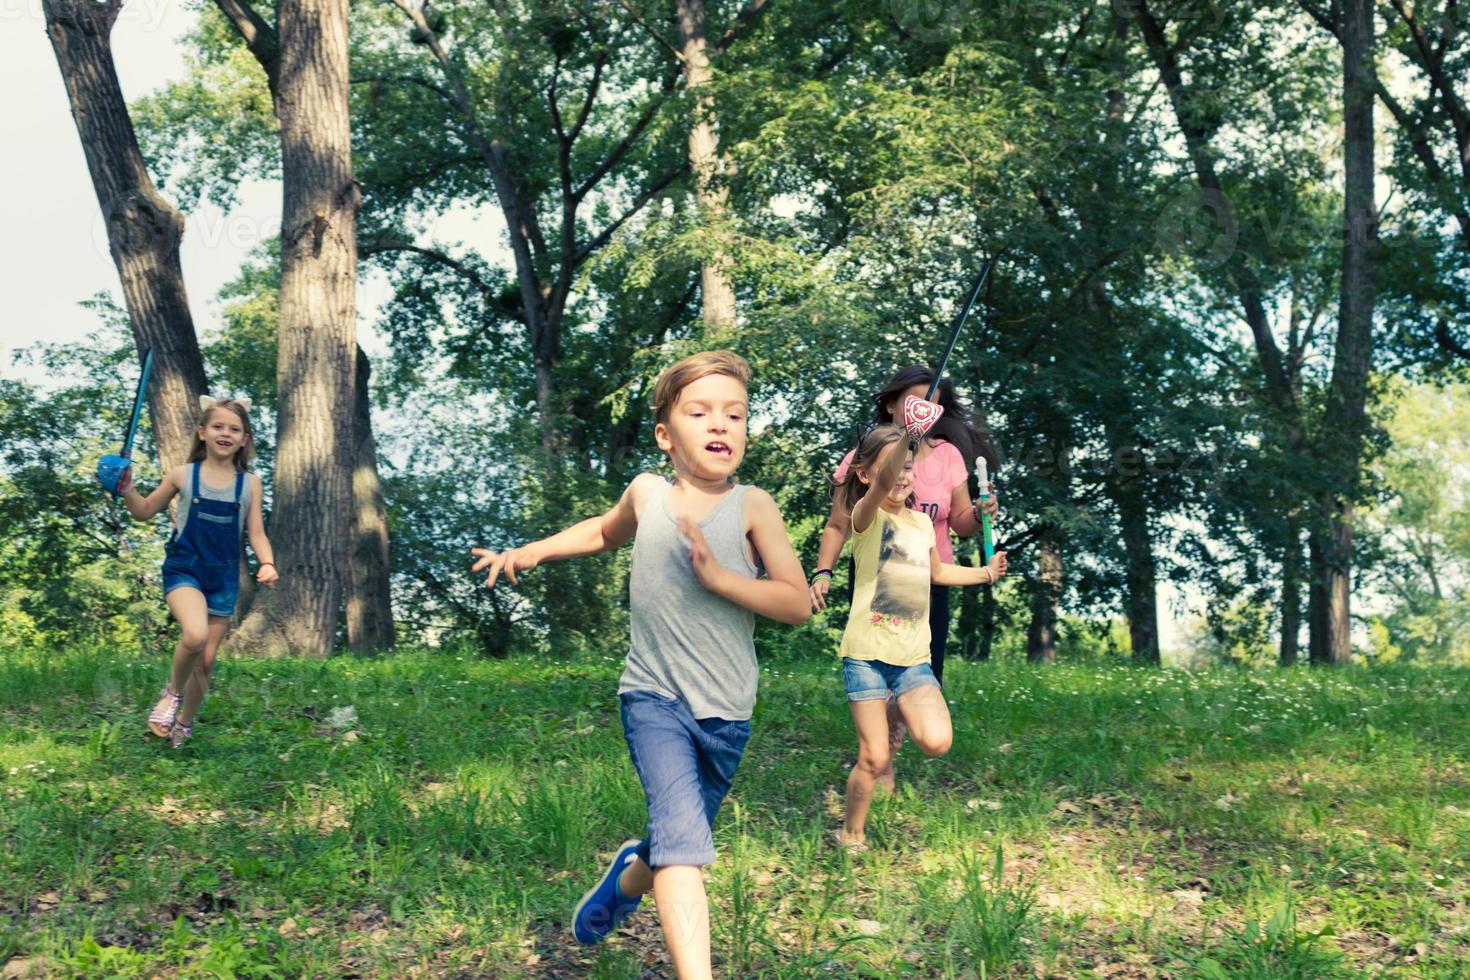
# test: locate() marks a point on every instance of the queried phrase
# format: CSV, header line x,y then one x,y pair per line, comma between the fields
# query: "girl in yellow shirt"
x,y
885,648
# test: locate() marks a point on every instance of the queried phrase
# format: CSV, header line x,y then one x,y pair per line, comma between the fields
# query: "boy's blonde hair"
x,y
680,376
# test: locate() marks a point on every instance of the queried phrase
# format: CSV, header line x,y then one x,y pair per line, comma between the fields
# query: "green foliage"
x,y
74,564
1421,528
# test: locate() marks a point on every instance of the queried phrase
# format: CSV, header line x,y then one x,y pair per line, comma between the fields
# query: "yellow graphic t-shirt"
x,y
890,596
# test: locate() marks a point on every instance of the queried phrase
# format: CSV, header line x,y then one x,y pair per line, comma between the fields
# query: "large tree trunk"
x,y
316,357
1345,426
143,228
1041,635
369,606
717,289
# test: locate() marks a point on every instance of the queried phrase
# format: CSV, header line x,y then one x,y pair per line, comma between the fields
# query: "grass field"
x,y
1089,822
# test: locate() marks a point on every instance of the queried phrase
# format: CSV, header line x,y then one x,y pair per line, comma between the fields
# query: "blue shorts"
x,y
874,680
685,765
224,586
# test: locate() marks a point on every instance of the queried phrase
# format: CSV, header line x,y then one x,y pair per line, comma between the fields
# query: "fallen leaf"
x,y
1003,748
987,804
287,928
1227,802
48,898
1067,806
869,927
1184,777
378,935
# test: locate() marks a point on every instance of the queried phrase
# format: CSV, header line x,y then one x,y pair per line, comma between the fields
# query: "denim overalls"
x,y
205,553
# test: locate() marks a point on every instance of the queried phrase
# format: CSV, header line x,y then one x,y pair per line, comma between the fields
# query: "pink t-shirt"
x,y
935,477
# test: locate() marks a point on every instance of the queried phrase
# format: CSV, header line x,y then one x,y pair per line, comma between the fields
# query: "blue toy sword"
x,y
111,468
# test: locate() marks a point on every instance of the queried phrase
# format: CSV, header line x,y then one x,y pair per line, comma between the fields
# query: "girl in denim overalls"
x,y
201,573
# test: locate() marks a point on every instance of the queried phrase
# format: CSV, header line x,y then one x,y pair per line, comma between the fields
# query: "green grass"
x,y
1089,821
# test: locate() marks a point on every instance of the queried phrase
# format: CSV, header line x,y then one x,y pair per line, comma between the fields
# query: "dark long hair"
x,y
956,426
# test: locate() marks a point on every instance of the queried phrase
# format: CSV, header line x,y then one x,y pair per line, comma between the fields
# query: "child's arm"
x,y
944,574
781,596
255,530
885,475
834,536
606,532
964,515
145,508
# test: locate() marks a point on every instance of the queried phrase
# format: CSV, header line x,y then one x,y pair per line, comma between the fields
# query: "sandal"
x,y
179,734
849,844
161,718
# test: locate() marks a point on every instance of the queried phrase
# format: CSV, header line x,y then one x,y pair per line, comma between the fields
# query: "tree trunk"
x,y
1140,573
717,290
315,366
1291,593
1345,426
369,605
987,624
143,228
1041,636
1319,650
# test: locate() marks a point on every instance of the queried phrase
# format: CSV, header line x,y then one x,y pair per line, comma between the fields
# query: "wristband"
x,y
270,563
822,571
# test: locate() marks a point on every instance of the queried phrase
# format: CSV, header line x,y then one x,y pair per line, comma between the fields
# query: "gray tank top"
x,y
687,642
227,494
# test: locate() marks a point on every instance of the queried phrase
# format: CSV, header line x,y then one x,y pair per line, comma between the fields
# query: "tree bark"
x,y
1345,426
315,366
143,229
369,605
1319,650
1291,589
1141,570
717,289
1041,635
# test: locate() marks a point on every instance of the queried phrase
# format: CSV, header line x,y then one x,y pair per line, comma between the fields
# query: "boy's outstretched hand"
x,y
512,561
706,569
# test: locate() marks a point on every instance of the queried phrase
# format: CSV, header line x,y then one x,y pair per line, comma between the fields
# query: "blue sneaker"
x,y
604,907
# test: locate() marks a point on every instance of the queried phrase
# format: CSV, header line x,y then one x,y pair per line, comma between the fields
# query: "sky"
x,y
53,247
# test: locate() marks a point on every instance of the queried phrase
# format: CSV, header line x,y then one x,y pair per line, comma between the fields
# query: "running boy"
x,y
700,543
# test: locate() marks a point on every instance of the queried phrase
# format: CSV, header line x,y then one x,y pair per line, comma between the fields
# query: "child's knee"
x,y
193,639
874,761
934,743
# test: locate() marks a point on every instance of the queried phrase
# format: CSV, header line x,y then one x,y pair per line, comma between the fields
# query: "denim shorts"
x,y
874,680
224,589
685,765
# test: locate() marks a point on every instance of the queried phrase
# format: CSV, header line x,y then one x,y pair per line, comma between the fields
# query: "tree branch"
x,y
259,36
1442,335
626,143
488,294
648,194
747,16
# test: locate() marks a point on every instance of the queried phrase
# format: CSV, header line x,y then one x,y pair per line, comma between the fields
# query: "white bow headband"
x,y
206,402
